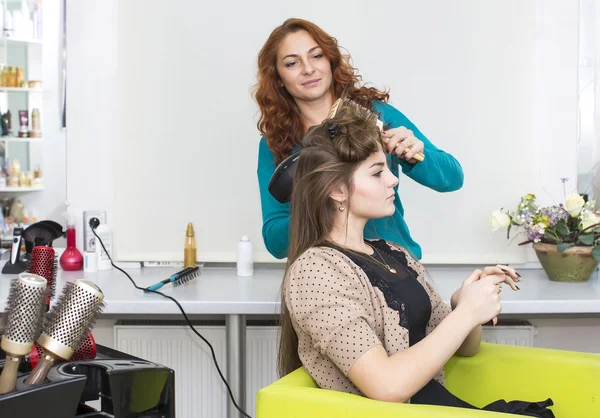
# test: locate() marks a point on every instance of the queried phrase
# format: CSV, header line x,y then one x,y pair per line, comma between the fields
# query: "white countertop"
x,y
221,291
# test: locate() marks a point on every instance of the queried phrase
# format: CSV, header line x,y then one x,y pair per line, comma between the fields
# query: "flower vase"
x,y
576,264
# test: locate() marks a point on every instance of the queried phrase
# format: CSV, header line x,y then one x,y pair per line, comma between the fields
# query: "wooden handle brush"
x,y
66,325
25,307
419,156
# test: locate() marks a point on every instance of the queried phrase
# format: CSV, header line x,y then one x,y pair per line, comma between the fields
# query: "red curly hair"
x,y
280,120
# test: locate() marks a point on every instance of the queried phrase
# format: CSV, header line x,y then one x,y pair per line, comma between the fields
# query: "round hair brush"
x,y
44,263
66,325
24,309
86,351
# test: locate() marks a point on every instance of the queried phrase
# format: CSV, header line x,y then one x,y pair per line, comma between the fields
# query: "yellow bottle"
x,y
189,249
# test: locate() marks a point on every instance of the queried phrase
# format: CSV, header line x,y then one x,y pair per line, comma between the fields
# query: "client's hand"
x,y
511,275
511,278
480,293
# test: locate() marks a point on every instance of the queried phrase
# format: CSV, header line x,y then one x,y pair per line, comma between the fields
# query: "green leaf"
x,y
596,252
561,228
564,247
586,239
551,238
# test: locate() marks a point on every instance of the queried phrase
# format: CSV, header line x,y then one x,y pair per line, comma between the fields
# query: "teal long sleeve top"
x,y
439,171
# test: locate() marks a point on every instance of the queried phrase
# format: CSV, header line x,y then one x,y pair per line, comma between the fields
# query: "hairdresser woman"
x,y
301,72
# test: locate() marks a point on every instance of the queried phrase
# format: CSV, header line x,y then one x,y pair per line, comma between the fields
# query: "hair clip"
x,y
332,130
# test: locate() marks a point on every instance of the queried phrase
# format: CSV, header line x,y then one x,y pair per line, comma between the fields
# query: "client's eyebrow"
x,y
379,164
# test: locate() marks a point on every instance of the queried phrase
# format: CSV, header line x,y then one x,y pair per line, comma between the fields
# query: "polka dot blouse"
x,y
339,315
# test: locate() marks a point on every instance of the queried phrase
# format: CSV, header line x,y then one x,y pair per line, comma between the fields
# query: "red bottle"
x,y
71,259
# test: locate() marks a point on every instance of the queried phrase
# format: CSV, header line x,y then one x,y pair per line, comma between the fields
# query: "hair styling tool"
x,y
24,309
334,112
86,351
15,265
179,278
66,325
282,180
45,263
16,246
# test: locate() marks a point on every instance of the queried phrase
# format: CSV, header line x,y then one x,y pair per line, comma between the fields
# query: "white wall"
x,y
92,44
556,78
91,94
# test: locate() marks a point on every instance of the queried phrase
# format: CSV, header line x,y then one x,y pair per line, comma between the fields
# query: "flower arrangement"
x,y
573,224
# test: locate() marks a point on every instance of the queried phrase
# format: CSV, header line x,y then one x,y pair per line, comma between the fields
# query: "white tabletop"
x,y
221,291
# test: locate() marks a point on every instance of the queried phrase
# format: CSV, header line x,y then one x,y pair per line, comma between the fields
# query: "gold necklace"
x,y
383,263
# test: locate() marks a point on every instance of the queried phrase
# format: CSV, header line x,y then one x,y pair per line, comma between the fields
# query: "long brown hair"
x,y
280,120
331,153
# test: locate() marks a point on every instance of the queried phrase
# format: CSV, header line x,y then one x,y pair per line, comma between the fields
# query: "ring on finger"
x,y
499,288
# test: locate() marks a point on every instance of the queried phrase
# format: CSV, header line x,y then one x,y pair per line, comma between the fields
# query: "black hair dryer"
x,y
282,180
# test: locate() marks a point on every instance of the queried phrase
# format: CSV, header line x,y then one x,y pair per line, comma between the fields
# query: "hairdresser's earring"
x,y
342,207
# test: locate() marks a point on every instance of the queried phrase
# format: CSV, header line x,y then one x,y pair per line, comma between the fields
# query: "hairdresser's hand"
x,y
398,140
480,295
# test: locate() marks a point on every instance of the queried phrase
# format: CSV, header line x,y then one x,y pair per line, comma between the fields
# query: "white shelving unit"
x,y
21,90
27,54
16,139
20,189
26,41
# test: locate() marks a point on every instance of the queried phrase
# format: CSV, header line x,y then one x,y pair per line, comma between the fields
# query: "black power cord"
x,y
94,222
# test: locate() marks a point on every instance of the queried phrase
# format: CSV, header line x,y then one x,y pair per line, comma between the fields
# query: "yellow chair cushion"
x,y
571,379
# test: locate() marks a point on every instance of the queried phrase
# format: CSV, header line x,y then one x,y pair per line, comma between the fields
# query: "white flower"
x,y
499,220
540,228
588,219
574,203
590,205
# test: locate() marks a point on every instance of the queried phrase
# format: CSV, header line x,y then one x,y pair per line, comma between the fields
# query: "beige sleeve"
x,y
326,299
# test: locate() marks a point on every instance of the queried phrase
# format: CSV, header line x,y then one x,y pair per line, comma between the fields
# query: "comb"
x,y
333,112
179,278
24,309
66,325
